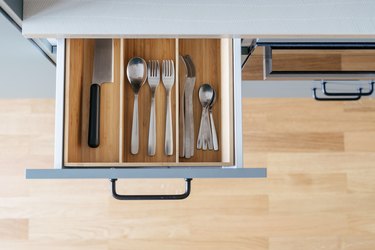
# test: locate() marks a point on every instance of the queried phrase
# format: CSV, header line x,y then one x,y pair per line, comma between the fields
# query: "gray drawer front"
x,y
143,173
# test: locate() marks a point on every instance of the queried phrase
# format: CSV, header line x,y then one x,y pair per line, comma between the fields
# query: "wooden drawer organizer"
x,y
213,60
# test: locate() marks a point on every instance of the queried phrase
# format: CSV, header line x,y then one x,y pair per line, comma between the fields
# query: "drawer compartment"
x,y
213,60
78,75
148,49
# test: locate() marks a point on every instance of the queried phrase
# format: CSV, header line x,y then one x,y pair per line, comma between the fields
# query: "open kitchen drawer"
x,y
213,63
217,61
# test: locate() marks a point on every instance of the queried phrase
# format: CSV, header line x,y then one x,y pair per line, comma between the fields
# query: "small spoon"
x,y
206,93
136,72
214,134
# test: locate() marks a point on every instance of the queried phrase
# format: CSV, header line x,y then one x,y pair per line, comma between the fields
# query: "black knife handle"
x,y
94,116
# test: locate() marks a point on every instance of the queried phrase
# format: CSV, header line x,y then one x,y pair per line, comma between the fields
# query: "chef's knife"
x,y
102,73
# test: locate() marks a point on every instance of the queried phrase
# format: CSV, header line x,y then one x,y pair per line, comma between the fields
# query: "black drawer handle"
x,y
360,93
353,98
152,197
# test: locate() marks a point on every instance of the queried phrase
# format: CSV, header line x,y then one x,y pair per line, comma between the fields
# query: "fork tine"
x,y
158,67
166,68
169,68
153,68
172,68
148,69
163,68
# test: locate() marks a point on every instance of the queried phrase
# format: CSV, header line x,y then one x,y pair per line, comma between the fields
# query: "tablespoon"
x,y
136,72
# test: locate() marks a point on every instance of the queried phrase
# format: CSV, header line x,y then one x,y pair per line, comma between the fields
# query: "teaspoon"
x,y
206,93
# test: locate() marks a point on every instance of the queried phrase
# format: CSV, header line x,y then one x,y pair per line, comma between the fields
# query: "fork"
x,y
153,78
168,81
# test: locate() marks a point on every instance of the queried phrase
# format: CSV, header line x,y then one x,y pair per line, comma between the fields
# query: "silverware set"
x,y
207,137
138,72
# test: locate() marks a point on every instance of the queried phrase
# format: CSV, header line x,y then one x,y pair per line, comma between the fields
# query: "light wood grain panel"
x,y
323,60
308,60
321,203
358,242
285,161
305,243
295,142
253,69
355,141
256,243
14,229
46,244
311,200
148,49
360,223
80,56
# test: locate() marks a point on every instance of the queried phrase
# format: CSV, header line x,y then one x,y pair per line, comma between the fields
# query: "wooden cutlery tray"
x,y
213,61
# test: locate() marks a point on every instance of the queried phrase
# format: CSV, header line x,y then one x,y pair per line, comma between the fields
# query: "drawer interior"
x,y
213,61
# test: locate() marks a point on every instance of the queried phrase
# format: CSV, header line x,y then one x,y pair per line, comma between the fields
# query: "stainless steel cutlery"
x,y
207,137
138,72
168,77
137,75
153,79
187,107
213,129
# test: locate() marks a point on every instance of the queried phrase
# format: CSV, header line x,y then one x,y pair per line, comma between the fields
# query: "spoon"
x,y
205,93
214,135
136,72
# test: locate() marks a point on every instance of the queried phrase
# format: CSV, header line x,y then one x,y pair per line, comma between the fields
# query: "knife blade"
x,y
183,76
189,91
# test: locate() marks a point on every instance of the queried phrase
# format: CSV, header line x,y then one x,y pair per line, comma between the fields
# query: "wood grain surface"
x,y
79,65
309,60
315,197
